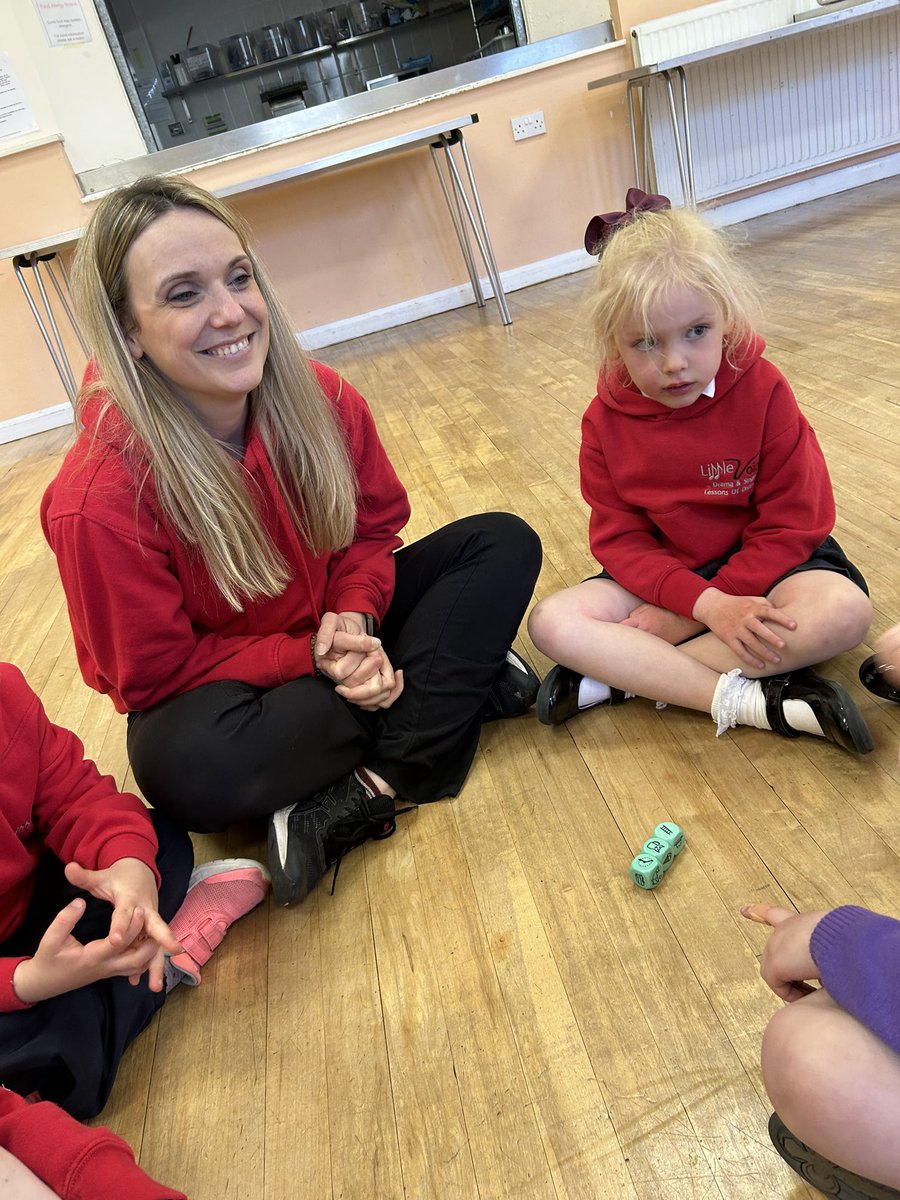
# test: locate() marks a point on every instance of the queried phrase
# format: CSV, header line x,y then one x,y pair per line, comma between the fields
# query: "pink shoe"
x,y
218,894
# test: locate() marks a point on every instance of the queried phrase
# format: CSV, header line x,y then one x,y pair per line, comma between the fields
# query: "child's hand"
x,y
130,887
671,627
786,961
742,623
62,964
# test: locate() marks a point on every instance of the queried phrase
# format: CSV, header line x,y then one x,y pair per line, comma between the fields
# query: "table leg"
x,y
46,322
475,214
686,117
458,219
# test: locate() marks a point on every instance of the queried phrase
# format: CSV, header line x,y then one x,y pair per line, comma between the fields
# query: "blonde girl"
x,y
711,505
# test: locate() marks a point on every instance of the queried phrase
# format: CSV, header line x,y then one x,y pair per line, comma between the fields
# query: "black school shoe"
x,y
821,1174
557,699
513,692
305,840
873,680
840,719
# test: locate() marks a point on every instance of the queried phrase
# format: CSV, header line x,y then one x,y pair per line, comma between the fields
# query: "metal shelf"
x,y
358,39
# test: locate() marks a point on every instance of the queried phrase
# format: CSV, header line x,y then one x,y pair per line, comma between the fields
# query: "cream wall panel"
x,y
547,18
73,90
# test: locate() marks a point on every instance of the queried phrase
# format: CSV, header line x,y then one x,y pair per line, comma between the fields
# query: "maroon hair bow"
x,y
601,228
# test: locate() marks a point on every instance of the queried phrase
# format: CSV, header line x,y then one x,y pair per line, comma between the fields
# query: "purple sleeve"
x,y
858,956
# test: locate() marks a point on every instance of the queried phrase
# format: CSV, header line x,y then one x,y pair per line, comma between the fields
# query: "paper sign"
x,y
15,115
63,22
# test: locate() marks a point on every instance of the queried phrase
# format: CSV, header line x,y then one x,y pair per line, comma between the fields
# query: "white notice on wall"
x,y
63,22
15,115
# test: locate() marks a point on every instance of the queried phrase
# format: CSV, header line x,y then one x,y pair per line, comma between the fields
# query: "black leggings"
x,y
68,1048
226,752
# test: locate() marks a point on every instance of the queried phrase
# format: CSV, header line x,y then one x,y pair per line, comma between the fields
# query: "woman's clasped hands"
x,y
356,662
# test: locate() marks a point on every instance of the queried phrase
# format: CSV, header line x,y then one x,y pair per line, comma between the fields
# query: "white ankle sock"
x,y
592,691
740,701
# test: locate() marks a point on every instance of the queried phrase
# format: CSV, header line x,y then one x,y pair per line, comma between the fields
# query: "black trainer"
x,y
821,1174
513,692
305,840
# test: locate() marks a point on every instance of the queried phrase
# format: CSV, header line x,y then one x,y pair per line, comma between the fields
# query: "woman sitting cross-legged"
x,y
226,529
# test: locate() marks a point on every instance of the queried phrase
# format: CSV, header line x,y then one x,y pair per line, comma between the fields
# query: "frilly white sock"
x,y
738,701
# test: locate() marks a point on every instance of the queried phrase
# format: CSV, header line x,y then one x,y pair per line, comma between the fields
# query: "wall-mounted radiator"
x,y
778,108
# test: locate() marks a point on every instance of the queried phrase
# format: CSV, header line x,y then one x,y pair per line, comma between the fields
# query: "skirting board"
x,y
777,200
730,213
36,422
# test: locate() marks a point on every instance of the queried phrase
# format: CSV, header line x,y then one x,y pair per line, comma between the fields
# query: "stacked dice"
x,y
657,855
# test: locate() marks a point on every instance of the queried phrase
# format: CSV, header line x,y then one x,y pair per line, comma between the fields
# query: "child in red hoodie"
x,y
66,1159
88,881
711,505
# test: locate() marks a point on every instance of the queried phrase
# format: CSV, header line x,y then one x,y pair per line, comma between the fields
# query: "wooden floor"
x,y
487,1007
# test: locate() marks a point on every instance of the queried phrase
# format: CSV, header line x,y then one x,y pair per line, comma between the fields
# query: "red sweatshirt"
x,y
673,489
75,1162
148,620
50,797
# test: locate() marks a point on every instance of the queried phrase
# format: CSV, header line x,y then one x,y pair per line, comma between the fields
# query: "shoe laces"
x,y
361,826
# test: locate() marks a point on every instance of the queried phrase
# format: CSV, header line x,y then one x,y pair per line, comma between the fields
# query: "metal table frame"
x,y
459,189
42,275
672,71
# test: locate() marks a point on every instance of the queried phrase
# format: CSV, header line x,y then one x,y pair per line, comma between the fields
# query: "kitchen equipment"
x,y
286,98
202,61
344,26
328,26
167,75
270,44
363,17
238,52
302,33
179,70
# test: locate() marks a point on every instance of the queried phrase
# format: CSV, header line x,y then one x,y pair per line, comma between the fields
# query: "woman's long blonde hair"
x,y
207,501
656,252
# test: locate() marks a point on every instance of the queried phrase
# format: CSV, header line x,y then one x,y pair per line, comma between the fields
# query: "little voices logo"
x,y
729,476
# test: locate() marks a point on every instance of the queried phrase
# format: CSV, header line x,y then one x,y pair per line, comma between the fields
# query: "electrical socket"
x,y
530,125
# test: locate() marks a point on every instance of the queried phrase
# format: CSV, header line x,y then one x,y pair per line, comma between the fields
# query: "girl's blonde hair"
x,y
207,501
656,252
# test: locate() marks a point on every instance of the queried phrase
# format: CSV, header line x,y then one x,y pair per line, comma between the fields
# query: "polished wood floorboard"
x,y
487,1008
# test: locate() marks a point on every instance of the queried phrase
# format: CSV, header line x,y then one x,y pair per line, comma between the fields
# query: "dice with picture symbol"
x,y
657,848
671,834
646,871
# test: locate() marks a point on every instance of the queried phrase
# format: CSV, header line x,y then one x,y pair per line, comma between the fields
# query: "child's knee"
x,y
794,1067
851,615
544,622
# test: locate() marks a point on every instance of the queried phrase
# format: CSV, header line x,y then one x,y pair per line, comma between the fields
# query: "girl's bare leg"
x,y
580,628
835,1085
17,1181
832,615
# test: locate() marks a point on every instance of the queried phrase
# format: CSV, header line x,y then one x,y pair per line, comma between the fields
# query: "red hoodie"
x,y
673,489
75,1162
148,620
51,797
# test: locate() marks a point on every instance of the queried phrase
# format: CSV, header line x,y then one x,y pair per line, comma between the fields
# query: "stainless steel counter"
x,y
409,93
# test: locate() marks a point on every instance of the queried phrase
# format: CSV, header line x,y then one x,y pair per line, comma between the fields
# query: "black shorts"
x,y
827,557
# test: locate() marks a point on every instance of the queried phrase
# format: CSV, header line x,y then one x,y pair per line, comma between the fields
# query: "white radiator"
x,y
784,106
710,25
